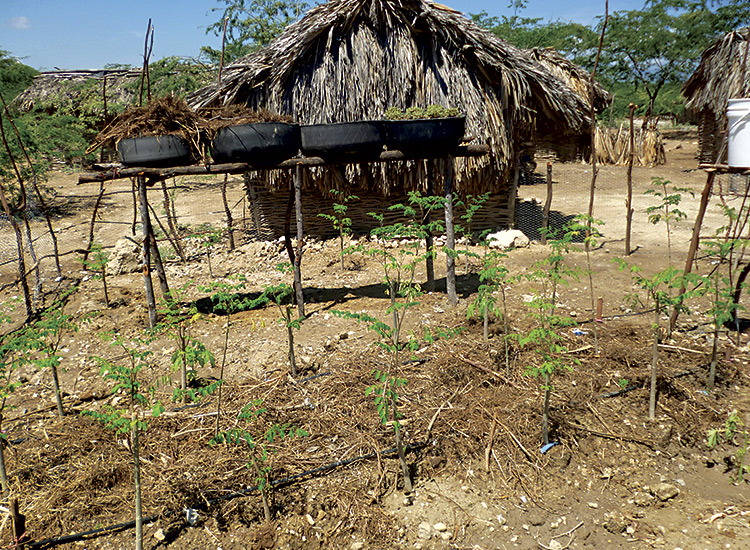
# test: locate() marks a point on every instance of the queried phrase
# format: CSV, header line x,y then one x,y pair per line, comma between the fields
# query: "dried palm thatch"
x,y
349,60
613,146
577,79
723,74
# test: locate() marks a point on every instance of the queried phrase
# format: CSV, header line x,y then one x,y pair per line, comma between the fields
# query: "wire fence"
x,y
200,212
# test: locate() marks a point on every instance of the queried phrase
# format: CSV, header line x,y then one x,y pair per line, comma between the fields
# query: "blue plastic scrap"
x,y
548,446
579,332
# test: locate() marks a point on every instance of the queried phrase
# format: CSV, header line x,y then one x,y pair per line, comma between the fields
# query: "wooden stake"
x,y
705,197
146,228
629,199
599,308
547,205
19,526
300,243
450,234
430,261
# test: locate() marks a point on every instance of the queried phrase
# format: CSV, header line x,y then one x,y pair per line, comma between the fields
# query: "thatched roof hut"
x,y
50,90
723,74
349,60
574,76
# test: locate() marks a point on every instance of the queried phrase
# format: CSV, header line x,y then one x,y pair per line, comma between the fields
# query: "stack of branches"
x,y
170,115
613,147
162,116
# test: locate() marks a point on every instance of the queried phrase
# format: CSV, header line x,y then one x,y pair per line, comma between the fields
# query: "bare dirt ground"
x,y
615,479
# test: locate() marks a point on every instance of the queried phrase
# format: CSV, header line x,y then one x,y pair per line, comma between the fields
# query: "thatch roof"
x,y
575,76
353,59
723,74
50,89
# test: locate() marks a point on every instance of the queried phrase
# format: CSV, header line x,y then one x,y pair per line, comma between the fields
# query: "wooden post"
x,y
146,228
19,526
629,199
228,212
512,194
547,205
160,273
93,222
705,196
300,242
450,235
430,245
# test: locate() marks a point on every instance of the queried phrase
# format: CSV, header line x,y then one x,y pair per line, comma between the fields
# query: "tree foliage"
x,y
250,25
661,43
15,77
648,53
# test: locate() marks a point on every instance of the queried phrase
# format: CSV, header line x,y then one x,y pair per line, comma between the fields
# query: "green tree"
x,y
251,24
15,77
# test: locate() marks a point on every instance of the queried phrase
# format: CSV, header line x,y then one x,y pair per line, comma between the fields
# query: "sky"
x,y
87,34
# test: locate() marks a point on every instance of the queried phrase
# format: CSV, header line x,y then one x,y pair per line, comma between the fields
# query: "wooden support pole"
x,y
146,228
300,242
93,222
705,197
19,526
429,244
629,198
547,205
450,234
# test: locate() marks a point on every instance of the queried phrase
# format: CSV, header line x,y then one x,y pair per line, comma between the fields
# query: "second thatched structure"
x,y
350,60
723,74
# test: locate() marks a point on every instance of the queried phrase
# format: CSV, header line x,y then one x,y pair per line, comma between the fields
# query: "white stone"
x,y
440,527
424,530
510,238
126,257
159,535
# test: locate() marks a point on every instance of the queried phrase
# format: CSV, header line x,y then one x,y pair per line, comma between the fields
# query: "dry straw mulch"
x,y
73,475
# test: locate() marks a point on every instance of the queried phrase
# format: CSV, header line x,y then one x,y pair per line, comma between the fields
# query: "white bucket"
x,y
738,114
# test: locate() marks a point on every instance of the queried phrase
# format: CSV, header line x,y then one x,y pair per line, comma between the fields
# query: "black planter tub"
x,y
424,135
344,140
154,151
260,143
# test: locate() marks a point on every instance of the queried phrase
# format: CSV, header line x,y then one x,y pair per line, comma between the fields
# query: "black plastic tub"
x,y
259,144
154,151
363,139
424,135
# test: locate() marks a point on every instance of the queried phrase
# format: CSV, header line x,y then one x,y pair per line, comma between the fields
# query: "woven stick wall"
x,y
269,206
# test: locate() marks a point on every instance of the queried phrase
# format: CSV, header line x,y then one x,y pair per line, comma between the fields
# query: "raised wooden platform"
x,y
158,174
